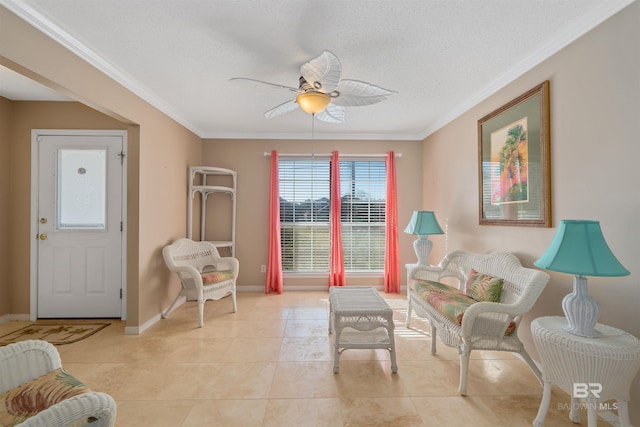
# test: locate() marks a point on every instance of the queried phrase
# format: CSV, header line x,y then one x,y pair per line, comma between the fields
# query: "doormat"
x,y
55,333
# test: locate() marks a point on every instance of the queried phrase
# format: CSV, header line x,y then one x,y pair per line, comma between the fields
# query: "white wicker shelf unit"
x,y
203,182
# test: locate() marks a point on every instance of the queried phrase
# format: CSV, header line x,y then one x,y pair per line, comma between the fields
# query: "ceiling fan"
x,y
322,93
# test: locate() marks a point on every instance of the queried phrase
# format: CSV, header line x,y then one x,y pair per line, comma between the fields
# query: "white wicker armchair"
x,y
484,324
204,274
25,361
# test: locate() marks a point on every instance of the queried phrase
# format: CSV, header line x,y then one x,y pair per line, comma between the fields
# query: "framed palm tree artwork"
x,y
513,162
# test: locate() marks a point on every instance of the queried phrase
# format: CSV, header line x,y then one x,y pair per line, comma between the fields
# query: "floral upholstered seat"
x,y
35,391
209,278
448,301
26,400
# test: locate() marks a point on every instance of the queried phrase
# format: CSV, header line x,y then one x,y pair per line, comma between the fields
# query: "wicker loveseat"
x,y
36,392
480,305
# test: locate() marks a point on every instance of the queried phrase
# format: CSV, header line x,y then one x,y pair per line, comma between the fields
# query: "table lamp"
x,y
422,224
579,248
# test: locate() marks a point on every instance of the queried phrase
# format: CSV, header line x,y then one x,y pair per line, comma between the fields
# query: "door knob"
x,y
42,236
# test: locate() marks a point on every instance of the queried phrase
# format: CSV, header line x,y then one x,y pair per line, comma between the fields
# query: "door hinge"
x,y
121,226
122,156
120,293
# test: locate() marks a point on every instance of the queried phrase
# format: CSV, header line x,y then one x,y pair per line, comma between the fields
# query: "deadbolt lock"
x,y
43,220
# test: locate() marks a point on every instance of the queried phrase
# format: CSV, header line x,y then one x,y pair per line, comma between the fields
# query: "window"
x,y
304,214
363,195
81,189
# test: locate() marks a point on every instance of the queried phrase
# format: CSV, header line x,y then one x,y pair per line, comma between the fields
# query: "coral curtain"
x,y
274,264
391,257
336,265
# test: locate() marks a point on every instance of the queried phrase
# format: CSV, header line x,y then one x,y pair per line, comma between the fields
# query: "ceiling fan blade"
x,y
332,114
354,93
281,109
253,81
324,69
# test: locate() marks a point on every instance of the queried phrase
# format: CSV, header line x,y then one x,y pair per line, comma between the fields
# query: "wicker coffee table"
x,y
360,318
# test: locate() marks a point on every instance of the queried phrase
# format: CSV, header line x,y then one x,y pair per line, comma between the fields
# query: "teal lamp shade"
x,y
423,223
579,248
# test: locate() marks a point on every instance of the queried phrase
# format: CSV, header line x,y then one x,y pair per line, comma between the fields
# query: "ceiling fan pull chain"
x,y
313,126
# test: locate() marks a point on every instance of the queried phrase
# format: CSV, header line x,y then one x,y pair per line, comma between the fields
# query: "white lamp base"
x,y
581,310
422,245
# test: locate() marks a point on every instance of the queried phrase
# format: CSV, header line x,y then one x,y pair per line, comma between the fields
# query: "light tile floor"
x,y
271,364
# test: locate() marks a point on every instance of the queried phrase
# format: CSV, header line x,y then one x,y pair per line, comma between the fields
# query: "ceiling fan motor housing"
x,y
305,86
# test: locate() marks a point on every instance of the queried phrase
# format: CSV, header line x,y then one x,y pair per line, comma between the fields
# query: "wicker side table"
x,y
360,318
591,370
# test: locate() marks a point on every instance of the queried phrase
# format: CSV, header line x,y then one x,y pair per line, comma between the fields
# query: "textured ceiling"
x,y
442,57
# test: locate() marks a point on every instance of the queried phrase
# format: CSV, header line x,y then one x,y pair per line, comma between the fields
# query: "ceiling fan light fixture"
x,y
322,92
313,102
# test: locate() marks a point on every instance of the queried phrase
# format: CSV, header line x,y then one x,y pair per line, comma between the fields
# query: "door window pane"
x,y
81,188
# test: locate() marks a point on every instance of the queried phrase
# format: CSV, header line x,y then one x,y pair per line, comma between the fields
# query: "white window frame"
x,y
289,186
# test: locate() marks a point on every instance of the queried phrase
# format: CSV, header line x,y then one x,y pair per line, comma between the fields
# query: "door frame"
x,y
33,245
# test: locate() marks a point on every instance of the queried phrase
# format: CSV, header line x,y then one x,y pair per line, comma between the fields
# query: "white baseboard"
x,y
298,288
11,317
287,288
137,330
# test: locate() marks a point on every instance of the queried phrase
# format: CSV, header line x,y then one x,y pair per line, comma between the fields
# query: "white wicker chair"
x,y
27,360
190,260
484,323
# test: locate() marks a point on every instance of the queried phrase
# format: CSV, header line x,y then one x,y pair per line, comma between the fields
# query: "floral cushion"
x,y
483,287
448,301
211,277
26,400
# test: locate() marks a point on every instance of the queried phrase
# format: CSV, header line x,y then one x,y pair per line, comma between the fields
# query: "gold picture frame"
x,y
513,162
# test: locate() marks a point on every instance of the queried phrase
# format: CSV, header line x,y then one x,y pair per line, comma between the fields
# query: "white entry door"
x,y
79,225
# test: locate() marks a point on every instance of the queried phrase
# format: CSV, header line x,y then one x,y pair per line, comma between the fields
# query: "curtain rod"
x,y
268,154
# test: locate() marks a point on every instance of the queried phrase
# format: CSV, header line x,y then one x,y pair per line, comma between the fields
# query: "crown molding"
x,y
572,32
317,136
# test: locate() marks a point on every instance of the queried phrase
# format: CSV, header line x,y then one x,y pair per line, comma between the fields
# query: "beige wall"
x,y
247,158
6,110
595,110
160,150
